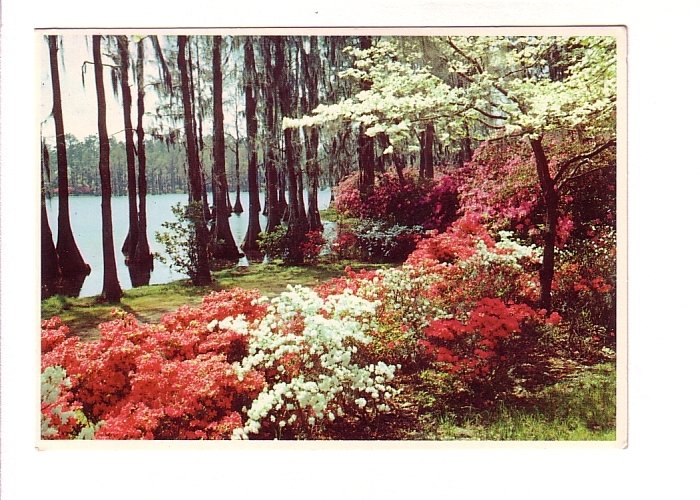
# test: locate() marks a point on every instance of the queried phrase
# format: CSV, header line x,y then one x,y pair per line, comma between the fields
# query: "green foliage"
x,y
272,244
383,242
179,239
579,408
58,417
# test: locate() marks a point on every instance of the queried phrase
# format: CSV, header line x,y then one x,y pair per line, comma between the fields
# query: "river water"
x,y
86,221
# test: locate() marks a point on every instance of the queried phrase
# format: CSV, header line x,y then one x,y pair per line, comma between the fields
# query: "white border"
x,y
662,262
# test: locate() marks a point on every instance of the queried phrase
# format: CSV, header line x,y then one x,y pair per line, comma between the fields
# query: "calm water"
x,y
86,221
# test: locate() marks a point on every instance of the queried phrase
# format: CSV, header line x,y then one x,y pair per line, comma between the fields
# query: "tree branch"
x,y
585,156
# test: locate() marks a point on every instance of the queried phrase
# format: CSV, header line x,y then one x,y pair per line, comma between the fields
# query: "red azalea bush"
x,y
474,348
312,245
430,203
172,380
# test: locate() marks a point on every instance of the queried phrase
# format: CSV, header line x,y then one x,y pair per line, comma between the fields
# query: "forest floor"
x,y
149,303
576,404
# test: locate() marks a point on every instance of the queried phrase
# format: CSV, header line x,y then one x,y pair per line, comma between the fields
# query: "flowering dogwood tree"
x,y
534,86
527,87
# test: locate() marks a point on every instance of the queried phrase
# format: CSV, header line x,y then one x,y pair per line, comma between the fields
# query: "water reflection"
x,y
87,229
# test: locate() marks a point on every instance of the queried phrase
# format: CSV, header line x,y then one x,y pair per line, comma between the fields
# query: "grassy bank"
x,y
148,303
580,407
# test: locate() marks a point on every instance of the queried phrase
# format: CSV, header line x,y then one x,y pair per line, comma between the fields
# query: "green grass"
x,y
579,408
149,303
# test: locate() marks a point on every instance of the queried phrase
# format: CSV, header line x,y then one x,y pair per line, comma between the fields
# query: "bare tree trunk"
x,y
399,164
426,152
111,290
551,200
202,275
295,229
141,263
238,207
70,260
250,246
282,200
49,258
197,130
129,246
311,65
274,217
366,143
224,244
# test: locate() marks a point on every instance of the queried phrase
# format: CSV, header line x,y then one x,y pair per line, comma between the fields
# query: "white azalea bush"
x,y
317,366
60,416
406,310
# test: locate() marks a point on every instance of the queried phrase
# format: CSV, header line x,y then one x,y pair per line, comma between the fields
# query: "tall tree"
x,y
295,78
296,228
427,142
195,210
251,246
311,64
237,206
365,142
271,74
197,119
111,290
224,244
70,260
129,246
141,262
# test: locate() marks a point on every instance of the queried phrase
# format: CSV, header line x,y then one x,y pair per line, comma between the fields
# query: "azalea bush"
x,y
314,356
61,416
172,380
585,289
464,304
214,371
429,203
275,244
272,243
378,241
313,244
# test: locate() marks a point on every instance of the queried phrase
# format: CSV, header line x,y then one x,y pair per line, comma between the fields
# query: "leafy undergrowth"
x,y
581,407
149,303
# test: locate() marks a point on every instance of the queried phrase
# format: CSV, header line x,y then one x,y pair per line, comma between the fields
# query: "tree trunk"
x,y
238,207
197,130
295,229
399,164
551,200
426,152
49,258
274,217
250,246
365,143
312,67
224,244
142,260
129,246
70,260
384,159
202,274
282,200
111,290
